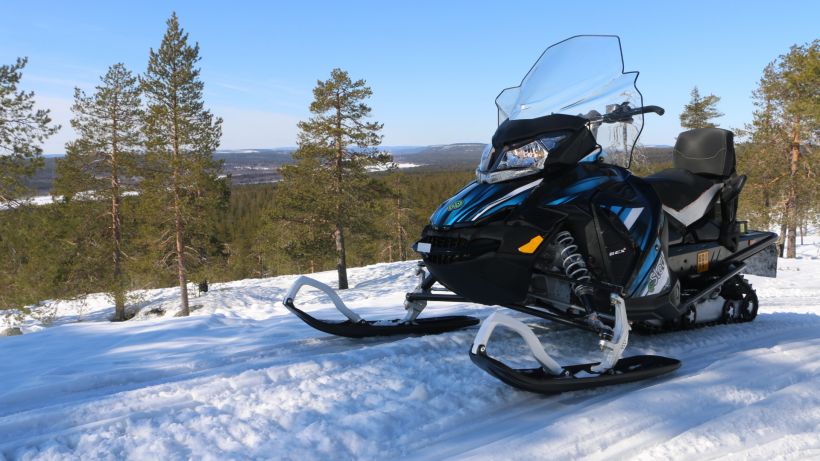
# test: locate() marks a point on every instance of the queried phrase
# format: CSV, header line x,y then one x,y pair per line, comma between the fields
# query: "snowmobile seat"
x,y
685,196
706,151
703,174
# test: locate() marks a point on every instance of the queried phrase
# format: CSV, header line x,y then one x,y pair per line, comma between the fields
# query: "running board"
x,y
357,327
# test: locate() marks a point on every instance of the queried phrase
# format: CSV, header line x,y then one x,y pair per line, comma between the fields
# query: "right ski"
x,y
551,377
576,377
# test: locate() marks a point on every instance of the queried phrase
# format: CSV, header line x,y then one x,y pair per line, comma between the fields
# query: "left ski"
x,y
357,327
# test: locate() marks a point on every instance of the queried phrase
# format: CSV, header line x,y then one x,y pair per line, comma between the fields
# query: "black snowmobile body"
x,y
660,241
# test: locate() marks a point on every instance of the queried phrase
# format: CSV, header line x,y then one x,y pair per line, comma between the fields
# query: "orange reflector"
x,y
530,247
703,261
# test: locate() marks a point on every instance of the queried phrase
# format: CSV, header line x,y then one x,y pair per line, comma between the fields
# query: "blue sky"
x,y
435,67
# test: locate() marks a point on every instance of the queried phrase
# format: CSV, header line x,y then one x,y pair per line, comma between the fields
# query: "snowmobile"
x,y
556,226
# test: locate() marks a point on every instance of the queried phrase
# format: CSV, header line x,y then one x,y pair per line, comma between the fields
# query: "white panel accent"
x,y
337,301
612,350
538,352
512,194
632,217
695,210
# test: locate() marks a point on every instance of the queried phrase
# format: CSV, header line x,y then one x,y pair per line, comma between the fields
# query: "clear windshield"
x,y
584,76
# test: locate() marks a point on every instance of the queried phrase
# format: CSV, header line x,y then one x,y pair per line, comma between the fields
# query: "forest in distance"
x,y
144,199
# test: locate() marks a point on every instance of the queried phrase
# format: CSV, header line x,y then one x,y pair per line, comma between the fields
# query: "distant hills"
x,y
255,166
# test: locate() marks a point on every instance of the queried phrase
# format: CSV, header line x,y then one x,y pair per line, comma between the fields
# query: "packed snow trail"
x,y
243,378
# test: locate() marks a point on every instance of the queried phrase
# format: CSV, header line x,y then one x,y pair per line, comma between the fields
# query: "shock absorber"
x,y
576,268
572,261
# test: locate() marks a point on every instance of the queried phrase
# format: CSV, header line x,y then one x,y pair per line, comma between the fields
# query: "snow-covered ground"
x,y
387,166
40,200
244,379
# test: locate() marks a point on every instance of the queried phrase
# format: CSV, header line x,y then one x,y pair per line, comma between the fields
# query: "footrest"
x,y
576,377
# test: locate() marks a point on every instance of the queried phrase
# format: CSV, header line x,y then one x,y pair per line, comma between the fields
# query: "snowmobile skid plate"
x,y
576,377
357,327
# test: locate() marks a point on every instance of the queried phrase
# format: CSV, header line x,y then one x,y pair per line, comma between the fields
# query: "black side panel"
x,y
683,258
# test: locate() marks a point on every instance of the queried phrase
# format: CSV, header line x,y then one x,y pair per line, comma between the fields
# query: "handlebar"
x,y
656,109
622,113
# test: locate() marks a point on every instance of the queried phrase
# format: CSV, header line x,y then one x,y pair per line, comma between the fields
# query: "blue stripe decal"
x,y
511,202
561,200
585,185
646,237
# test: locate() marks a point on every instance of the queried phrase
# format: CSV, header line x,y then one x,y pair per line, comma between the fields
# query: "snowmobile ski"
x,y
552,378
357,327
576,377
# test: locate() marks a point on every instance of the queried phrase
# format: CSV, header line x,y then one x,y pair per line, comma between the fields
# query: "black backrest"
x,y
708,151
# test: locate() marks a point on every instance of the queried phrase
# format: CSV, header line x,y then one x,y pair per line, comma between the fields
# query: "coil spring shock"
x,y
576,268
573,262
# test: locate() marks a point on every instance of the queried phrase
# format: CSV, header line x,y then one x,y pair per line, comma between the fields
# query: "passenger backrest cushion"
x,y
708,151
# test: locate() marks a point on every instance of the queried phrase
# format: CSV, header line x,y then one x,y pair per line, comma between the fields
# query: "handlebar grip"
x,y
656,109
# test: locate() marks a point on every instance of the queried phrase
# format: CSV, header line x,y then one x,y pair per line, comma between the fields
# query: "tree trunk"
x,y
804,228
341,264
781,239
338,233
400,231
180,253
178,224
791,252
791,202
116,234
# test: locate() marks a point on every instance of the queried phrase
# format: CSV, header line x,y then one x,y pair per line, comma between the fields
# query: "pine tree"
x,y
400,217
109,126
181,182
328,191
799,94
700,111
22,129
784,130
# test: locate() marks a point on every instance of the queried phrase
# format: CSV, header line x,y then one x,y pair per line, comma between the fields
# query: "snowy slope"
x,y
244,379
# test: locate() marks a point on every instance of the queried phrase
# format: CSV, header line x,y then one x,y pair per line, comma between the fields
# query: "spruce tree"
x,y
109,126
700,111
22,130
181,188
328,191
